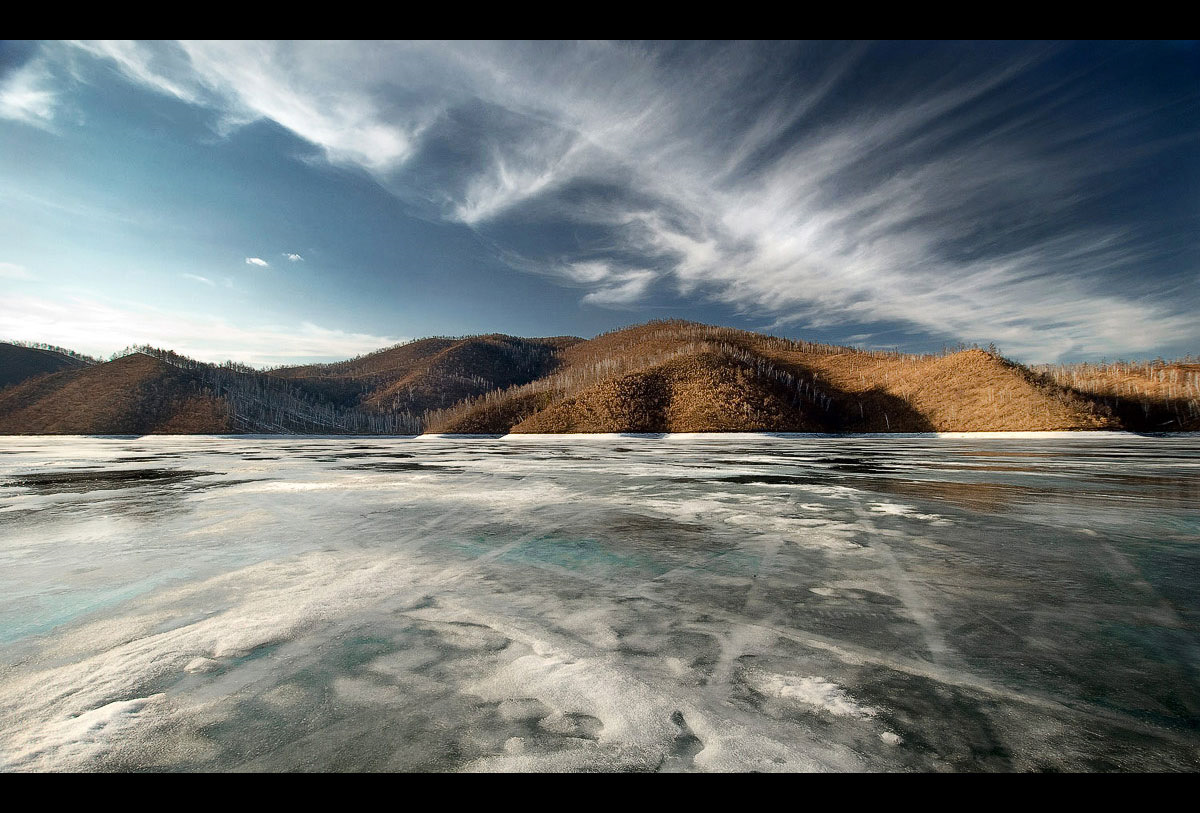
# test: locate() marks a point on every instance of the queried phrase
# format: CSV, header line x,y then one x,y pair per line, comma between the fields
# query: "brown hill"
x,y
135,394
967,391
431,373
668,376
684,376
19,363
699,392
1148,396
388,363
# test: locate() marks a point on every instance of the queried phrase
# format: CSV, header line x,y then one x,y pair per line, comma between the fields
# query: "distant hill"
x,y
150,390
663,376
432,373
135,394
19,362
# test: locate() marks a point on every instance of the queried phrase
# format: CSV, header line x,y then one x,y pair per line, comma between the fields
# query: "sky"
x,y
278,203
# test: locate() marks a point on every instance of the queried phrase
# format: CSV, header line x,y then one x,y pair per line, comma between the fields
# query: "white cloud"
x,y
788,214
625,288
261,263
198,278
100,328
26,95
590,271
314,89
14,271
296,258
158,67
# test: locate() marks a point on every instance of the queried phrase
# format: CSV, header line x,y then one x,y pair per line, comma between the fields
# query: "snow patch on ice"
x,y
809,690
898,510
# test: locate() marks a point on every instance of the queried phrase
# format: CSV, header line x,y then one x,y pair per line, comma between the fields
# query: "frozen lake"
x,y
715,602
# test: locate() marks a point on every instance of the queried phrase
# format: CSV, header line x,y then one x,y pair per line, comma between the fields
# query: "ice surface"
x,y
673,603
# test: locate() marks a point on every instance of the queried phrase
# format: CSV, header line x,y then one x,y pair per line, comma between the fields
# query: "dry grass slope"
x,y
704,392
967,391
133,395
1152,396
683,376
664,376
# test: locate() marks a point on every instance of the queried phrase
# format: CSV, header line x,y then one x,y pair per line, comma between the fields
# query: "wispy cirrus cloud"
x,y
198,278
259,261
961,192
315,90
27,95
612,286
100,328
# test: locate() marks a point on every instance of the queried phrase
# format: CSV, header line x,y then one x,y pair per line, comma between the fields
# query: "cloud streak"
x,y
261,263
311,90
27,95
963,193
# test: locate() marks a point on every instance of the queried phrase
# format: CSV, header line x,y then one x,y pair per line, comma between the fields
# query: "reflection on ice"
x,y
663,603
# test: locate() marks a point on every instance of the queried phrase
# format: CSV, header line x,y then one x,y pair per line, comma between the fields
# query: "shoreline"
x,y
983,435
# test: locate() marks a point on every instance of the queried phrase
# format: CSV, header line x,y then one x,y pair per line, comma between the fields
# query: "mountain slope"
x,y
1153,396
135,394
666,376
699,392
618,383
432,373
967,391
19,363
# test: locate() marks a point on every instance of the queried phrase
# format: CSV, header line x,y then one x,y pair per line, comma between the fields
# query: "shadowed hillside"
x,y
430,373
966,391
20,363
1150,396
133,395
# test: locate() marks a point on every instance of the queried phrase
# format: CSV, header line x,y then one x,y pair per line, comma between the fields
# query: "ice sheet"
x,y
673,603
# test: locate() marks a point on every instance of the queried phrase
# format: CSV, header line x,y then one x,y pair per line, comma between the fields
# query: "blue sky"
x,y
286,202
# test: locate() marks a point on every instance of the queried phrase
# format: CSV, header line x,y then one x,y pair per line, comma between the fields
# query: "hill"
x,y
430,373
20,362
705,391
683,376
149,390
1162,396
135,394
663,376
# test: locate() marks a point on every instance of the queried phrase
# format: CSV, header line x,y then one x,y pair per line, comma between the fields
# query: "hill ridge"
x,y
659,376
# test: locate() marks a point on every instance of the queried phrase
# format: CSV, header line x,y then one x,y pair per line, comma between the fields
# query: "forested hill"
x,y
432,373
663,376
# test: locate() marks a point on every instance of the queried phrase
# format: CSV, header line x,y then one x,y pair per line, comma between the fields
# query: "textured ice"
x,y
671,603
